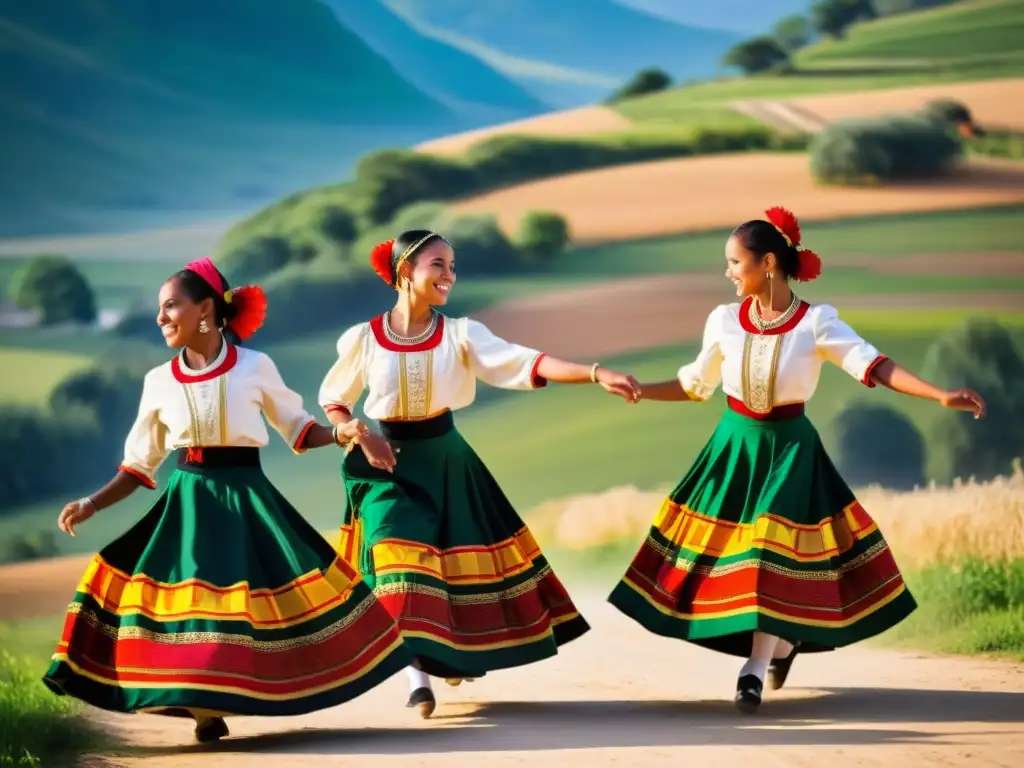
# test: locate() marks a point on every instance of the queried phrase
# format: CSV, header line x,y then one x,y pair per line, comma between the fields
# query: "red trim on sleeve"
x,y
335,407
377,326
187,378
788,326
300,442
536,379
867,381
138,476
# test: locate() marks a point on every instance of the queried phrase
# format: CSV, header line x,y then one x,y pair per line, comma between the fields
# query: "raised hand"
x,y
964,399
75,512
621,384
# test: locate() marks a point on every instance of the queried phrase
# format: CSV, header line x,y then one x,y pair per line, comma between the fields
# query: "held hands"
x,y
74,513
964,399
621,384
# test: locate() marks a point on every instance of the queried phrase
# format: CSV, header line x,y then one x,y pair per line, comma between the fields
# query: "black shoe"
x,y
748,694
423,700
211,729
778,670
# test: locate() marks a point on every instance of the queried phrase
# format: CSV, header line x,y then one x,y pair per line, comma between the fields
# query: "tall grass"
x,y
37,729
961,549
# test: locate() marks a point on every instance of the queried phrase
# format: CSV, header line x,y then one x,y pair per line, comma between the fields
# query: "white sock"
x,y
756,667
417,678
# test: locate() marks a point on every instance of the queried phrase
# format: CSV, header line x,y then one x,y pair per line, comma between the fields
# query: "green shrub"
x,y
894,148
982,355
55,288
976,606
651,80
948,111
542,235
897,462
758,54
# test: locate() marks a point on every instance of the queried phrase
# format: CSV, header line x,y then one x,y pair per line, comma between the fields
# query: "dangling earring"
x,y
408,286
204,326
771,291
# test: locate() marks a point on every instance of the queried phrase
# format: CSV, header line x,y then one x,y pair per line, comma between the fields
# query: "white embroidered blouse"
x,y
781,366
417,381
220,405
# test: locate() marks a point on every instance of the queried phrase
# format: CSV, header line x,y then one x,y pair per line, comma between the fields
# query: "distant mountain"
x,y
570,50
746,17
139,106
447,73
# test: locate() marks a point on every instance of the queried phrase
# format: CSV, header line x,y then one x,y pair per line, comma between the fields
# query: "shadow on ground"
x,y
816,720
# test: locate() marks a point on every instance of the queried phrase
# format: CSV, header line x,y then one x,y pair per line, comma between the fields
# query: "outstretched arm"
x,y
894,376
566,372
670,391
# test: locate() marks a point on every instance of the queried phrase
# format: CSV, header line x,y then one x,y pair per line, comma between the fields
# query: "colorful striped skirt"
x,y
223,599
763,535
448,556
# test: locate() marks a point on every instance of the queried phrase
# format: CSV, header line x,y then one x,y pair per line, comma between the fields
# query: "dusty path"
x,y
621,697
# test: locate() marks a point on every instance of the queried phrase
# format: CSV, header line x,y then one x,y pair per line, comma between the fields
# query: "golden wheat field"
x,y
924,527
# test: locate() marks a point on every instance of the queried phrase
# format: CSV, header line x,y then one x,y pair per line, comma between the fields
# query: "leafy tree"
x,y
337,224
256,259
982,355
879,445
893,7
859,151
56,288
833,17
650,80
793,32
755,55
542,235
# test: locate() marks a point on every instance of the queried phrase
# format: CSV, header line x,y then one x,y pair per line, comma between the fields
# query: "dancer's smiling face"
x,y
747,270
431,271
179,316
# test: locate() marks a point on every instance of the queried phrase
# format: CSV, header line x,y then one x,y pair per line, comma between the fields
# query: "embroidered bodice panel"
x,y
779,367
416,381
223,404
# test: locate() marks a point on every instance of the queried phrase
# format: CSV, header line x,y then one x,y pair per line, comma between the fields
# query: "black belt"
x,y
217,456
419,430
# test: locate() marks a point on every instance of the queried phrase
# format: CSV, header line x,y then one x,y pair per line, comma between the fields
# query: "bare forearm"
x,y
670,391
564,371
319,436
893,376
121,486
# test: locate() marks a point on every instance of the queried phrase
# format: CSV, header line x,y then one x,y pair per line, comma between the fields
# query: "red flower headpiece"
x,y
809,263
250,301
380,260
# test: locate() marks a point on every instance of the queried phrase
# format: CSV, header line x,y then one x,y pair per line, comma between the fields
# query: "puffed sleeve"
x,y
282,406
146,445
840,345
346,379
498,362
701,378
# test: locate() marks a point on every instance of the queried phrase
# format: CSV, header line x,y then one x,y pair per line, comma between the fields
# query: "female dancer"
x,y
432,532
222,599
762,549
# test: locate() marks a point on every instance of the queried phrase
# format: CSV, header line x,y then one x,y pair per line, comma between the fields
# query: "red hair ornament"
x,y
380,260
249,301
808,262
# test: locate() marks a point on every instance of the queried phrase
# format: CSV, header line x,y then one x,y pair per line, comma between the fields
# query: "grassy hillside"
x,y
592,44
971,40
448,74
116,105
948,35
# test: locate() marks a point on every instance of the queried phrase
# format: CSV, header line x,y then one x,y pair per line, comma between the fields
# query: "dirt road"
x,y
621,697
